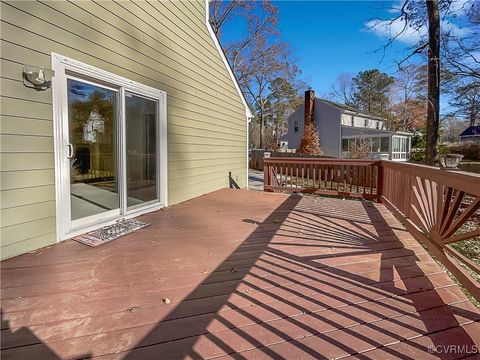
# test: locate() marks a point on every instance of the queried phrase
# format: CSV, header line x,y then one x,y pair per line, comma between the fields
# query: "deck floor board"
x,y
250,275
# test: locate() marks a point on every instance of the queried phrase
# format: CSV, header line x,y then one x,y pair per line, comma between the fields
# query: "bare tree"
x,y
410,82
450,128
258,58
418,16
266,63
344,89
260,19
461,54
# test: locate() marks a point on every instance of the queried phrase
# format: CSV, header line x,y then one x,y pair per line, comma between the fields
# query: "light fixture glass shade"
x,y
450,161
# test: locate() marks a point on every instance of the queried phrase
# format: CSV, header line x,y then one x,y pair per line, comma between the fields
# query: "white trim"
x,y
387,135
112,220
67,228
248,153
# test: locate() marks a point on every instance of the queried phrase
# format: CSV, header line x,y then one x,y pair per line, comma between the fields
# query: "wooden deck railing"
x,y
438,207
352,178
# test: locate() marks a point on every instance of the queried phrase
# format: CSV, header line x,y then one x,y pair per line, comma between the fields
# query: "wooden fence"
x,y
438,207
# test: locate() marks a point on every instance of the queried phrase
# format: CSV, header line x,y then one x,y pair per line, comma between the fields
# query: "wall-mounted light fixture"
x,y
37,78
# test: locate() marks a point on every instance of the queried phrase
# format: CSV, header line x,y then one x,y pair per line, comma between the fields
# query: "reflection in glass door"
x,y
92,149
141,130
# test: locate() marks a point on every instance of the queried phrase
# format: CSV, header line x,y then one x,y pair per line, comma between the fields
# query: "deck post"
x,y
266,176
380,182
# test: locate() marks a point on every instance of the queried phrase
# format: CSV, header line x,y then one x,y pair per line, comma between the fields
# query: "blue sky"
x,y
331,37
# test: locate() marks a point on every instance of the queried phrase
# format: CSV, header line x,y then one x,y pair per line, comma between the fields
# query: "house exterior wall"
x,y
328,122
165,45
293,138
334,124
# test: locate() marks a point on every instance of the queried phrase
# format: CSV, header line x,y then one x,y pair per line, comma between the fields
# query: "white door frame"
x,y
61,65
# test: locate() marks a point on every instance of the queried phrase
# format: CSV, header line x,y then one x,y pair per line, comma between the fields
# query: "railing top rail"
x,y
318,161
461,180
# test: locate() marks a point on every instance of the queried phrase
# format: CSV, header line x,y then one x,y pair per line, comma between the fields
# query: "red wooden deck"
x,y
249,275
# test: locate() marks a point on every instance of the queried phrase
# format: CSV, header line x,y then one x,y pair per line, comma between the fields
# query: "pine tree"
x,y
466,100
310,143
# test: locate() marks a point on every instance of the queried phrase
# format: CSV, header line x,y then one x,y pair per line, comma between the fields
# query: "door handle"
x,y
69,151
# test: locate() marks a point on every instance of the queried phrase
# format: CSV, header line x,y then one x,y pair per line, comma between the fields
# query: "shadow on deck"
x,y
258,276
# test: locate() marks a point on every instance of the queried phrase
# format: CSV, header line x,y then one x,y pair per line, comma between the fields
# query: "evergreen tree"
x,y
371,92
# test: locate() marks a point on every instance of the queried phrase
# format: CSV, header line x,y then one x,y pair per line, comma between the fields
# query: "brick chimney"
x,y
309,106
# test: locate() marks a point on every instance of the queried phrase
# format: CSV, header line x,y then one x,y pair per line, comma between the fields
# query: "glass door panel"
x,y
141,130
92,121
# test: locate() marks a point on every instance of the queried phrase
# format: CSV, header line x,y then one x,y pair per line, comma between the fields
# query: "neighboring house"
x,y
340,126
143,111
471,133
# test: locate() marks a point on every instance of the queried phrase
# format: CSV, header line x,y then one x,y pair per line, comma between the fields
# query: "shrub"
x,y
361,148
470,150
310,143
417,155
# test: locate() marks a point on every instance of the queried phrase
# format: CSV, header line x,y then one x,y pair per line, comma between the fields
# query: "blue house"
x,y
471,133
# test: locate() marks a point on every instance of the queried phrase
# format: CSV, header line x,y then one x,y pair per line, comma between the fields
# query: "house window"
x,y
385,144
366,123
353,120
344,144
295,126
400,148
376,144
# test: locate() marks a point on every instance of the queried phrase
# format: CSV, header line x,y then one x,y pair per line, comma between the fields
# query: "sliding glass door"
x,y
92,149
110,147
141,127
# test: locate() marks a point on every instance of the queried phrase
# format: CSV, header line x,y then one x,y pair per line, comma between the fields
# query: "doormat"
x,y
111,232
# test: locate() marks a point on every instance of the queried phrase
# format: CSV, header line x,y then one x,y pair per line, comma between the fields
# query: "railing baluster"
x,y
296,175
320,177
437,218
308,177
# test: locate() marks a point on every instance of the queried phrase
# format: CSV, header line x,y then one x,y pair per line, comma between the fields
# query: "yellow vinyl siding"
x,y
28,178
26,126
165,45
29,244
18,233
34,161
27,196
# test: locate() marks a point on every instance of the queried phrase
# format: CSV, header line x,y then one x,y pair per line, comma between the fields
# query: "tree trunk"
x,y
261,145
433,109
277,130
